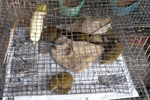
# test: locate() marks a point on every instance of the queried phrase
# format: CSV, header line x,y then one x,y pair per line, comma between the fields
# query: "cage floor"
x,y
99,96
29,70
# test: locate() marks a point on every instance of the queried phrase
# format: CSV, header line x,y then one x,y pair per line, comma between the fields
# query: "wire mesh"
x,y
29,68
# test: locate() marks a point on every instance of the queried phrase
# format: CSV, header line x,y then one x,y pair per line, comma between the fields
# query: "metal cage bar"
x,y
29,68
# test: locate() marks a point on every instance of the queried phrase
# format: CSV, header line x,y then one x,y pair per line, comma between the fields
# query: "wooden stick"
x,y
54,88
12,32
58,8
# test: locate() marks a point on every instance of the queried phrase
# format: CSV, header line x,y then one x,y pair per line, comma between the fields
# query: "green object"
x,y
114,49
61,83
69,11
51,34
42,7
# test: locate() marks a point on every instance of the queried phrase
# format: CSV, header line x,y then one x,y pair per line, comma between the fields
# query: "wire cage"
x,y
97,46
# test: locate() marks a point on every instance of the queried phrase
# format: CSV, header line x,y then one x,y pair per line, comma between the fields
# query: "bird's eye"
x,y
116,41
